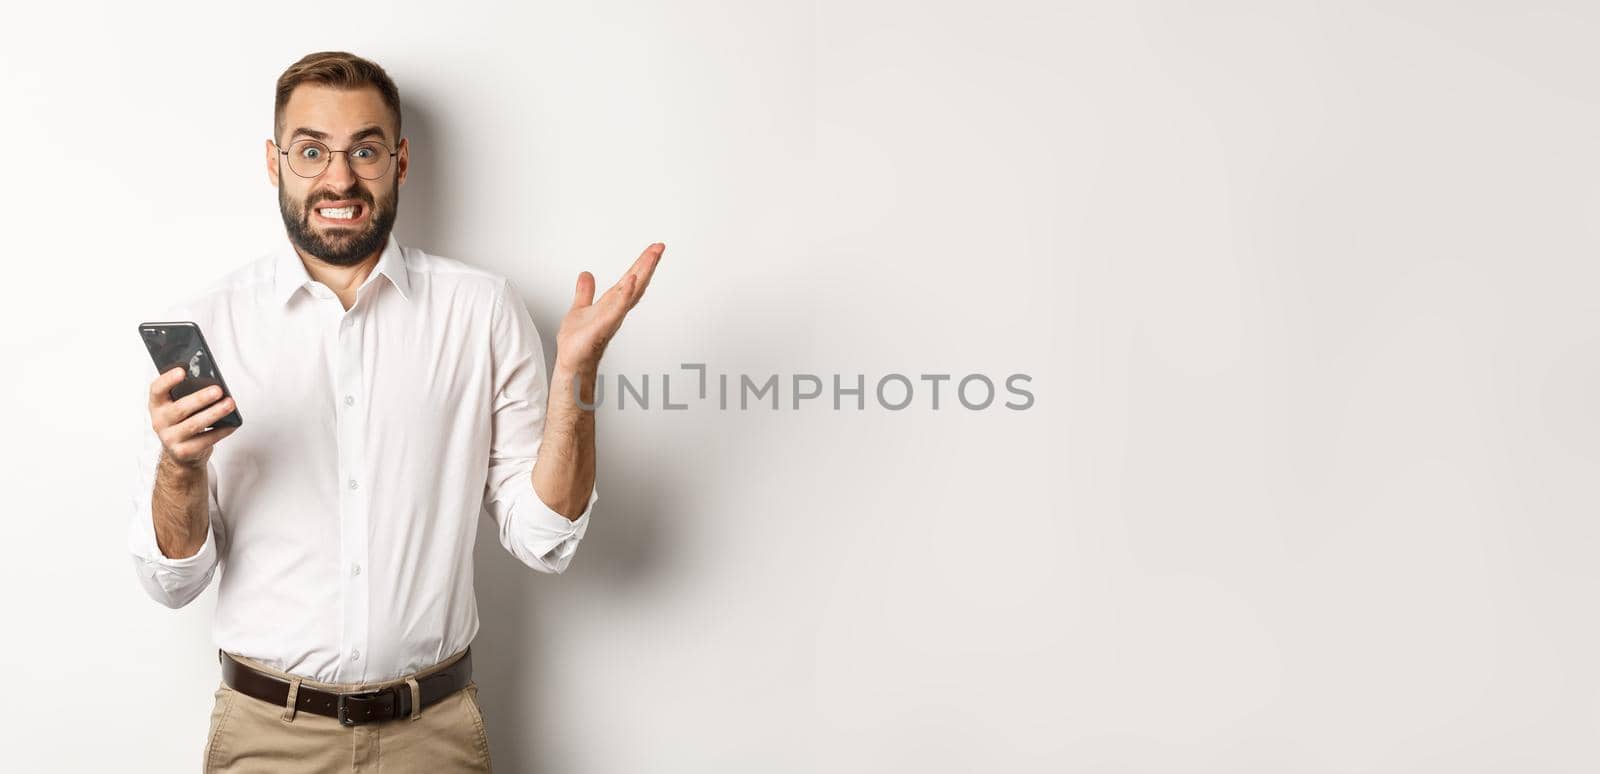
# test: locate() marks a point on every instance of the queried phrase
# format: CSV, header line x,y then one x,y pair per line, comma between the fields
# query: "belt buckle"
x,y
344,712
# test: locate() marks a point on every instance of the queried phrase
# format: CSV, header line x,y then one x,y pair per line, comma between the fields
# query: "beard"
x,y
343,246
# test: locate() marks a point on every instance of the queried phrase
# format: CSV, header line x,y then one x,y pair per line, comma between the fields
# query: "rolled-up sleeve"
x,y
532,531
172,582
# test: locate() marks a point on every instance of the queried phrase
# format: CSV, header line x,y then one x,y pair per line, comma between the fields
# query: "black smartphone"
x,y
180,344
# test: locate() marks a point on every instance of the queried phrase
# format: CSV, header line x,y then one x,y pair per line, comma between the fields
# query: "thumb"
x,y
583,295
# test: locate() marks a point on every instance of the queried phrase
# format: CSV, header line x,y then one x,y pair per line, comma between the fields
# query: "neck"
x,y
342,280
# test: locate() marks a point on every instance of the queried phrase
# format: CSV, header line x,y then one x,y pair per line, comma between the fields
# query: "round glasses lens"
x,y
308,158
369,160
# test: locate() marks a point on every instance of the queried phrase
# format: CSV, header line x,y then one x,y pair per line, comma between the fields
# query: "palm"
x,y
592,322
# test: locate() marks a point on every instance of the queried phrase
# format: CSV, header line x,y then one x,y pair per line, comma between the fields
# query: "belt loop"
x,y
289,705
416,697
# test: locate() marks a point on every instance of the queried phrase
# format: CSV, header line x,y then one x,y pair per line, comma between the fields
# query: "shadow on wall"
x,y
426,210
622,550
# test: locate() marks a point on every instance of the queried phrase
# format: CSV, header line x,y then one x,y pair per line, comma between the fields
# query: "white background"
x,y
1307,292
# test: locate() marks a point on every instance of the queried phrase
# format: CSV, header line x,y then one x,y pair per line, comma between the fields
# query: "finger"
x,y
583,295
193,446
651,259
193,425
182,408
618,301
631,291
619,290
643,268
612,291
161,388
618,305
196,425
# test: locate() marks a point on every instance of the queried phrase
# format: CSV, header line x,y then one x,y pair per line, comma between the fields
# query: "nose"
x,y
339,174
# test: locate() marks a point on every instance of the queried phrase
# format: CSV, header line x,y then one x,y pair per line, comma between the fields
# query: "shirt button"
x,y
355,655
349,400
352,483
355,569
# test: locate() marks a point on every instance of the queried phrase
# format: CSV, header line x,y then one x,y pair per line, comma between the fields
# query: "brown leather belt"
x,y
354,708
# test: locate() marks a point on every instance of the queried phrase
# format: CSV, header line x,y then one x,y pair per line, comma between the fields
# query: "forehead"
x,y
337,112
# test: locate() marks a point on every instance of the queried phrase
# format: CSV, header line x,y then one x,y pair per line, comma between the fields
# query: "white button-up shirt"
x,y
345,509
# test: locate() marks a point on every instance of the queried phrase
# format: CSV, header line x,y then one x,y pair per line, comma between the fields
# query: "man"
x,y
387,395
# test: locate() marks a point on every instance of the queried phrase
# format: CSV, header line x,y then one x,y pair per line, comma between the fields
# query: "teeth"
x,y
338,212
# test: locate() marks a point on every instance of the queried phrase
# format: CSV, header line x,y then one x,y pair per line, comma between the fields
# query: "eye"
x,y
364,153
311,153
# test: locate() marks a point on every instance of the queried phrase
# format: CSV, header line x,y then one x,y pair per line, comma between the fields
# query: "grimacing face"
x,y
336,116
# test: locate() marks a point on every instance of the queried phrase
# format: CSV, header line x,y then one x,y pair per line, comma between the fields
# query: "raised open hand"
x,y
590,323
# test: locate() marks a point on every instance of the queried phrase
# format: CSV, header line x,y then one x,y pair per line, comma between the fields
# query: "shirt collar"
x,y
290,271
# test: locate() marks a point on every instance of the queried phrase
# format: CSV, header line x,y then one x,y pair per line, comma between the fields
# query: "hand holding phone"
x,y
190,408
181,424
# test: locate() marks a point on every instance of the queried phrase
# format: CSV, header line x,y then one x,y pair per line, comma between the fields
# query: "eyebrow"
x,y
361,134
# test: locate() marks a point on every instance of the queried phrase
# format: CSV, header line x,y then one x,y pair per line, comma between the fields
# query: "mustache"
x,y
354,193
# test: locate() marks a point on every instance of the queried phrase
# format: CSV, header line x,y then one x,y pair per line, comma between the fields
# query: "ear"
x,y
272,164
402,161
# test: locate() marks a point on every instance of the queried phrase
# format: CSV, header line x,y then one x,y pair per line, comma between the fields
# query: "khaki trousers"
x,y
248,735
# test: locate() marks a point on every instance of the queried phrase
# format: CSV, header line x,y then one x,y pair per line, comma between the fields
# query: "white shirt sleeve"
x,y
172,582
537,535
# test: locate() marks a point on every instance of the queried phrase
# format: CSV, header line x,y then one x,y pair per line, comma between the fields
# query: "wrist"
x,y
576,384
179,471
566,370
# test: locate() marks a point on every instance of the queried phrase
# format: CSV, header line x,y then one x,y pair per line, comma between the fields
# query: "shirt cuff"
x,y
173,582
202,558
551,535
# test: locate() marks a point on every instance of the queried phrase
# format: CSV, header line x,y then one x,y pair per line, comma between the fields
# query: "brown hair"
x,y
340,70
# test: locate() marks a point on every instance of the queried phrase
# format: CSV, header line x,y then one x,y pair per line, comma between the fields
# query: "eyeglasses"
x,y
309,158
